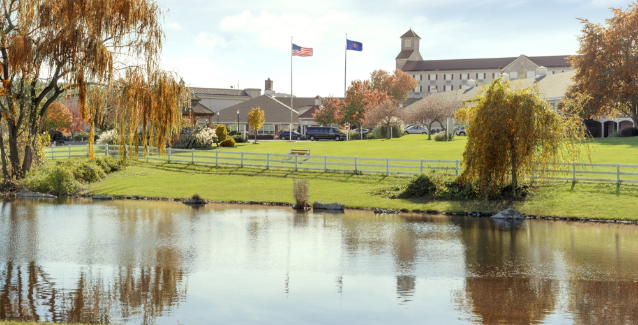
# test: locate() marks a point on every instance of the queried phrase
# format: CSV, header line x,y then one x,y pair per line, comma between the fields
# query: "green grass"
x,y
250,184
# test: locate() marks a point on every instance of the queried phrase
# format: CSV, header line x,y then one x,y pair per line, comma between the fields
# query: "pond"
x,y
142,262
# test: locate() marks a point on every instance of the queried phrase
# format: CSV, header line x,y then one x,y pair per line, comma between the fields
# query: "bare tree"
x,y
431,110
386,112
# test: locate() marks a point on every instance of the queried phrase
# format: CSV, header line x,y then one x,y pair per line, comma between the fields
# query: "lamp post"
x,y
238,121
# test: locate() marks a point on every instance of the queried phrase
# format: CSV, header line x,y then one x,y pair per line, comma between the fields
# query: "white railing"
x,y
221,157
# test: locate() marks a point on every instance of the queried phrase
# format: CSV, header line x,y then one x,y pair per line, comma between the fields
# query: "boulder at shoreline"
x,y
508,214
318,205
102,197
26,194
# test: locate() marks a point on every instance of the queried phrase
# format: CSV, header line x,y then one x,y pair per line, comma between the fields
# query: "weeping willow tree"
x,y
103,50
513,131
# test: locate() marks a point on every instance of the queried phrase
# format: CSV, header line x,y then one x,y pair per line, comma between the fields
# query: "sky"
x,y
219,44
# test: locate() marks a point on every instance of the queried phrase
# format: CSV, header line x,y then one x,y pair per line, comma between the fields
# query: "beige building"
x,y
449,75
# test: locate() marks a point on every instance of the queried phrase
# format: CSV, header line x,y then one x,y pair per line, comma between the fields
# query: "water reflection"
x,y
159,262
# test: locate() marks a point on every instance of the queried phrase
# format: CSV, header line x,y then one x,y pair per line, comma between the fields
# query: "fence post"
x,y
192,156
325,163
355,164
574,174
618,174
421,165
387,166
296,161
242,159
268,160
107,149
457,167
87,149
216,157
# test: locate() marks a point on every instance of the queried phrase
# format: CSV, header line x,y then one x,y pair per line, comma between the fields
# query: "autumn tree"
x,y
514,130
256,119
396,85
607,66
386,112
430,110
48,48
330,112
58,117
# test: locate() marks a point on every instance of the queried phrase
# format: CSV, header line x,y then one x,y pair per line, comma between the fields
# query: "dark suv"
x,y
319,132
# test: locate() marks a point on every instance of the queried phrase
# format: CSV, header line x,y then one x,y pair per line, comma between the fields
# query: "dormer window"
x,y
407,43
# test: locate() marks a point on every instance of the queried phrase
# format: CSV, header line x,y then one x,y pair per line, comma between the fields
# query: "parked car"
x,y
295,135
364,131
460,130
319,132
415,129
57,137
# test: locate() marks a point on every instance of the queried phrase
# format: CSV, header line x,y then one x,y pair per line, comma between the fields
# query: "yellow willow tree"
x,y
256,119
48,48
512,131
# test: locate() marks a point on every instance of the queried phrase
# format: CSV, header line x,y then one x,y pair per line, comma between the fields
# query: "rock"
x,y
301,207
196,202
508,214
328,206
102,197
26,194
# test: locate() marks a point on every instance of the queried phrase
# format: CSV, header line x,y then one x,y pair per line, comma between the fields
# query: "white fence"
x,y
222,157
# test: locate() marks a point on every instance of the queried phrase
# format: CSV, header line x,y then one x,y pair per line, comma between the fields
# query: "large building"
x,y
448,75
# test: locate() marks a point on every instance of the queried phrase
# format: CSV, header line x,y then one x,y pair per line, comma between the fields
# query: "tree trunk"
x,y
430,130
255,136
634,114
514,171
14,155
5,171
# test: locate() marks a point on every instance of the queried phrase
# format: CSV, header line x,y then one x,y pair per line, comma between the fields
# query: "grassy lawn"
x,y
251,184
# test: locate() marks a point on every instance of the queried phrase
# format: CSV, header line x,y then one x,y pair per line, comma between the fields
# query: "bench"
x,y
299,152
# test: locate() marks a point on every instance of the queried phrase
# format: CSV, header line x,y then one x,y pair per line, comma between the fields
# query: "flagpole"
x,y
290,129
345,73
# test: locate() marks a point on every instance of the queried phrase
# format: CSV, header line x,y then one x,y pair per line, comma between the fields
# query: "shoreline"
x,y
377,211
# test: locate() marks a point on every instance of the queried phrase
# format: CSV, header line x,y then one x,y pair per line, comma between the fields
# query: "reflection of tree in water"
x,y
604,302
145,293
504,284
405,287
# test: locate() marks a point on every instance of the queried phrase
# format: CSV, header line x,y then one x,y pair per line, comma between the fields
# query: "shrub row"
x,y
66,177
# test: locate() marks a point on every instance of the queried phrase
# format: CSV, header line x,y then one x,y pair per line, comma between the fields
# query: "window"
x,y
267,129
420,77
465,76
407,43
531,74
514,75
480,76
448,87
448,76
433,76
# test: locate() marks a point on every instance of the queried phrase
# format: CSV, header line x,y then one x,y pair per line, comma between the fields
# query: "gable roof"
x,y
410,33
483,64
274,111
552,86
218,91
198,108
405,54
309,113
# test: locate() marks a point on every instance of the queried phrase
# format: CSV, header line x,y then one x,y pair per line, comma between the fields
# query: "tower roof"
x,y
410,33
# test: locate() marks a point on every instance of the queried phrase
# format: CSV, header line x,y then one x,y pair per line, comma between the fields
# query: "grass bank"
x,y
583,200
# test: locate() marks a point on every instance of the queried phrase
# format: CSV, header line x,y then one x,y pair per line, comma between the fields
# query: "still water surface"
x,y
162,262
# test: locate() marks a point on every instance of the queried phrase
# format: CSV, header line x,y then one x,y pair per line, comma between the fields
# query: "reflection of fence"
x,y
387,166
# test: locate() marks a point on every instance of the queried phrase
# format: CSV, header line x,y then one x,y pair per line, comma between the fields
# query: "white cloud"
x,y
210,41
275,30
174,26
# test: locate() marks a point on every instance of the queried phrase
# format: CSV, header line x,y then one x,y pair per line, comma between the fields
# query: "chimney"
x,y
268,89
541,72
471,83
318,101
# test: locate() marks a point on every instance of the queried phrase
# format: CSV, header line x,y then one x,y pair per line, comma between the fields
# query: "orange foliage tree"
x,y
49,47
607,66
256,119
58,117
513,131
330,113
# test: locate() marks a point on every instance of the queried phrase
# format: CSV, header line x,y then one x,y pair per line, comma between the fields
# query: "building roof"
x,y
218,91
405,54
298,102
552,86
410,33
309,113
482,64
274,111
198,108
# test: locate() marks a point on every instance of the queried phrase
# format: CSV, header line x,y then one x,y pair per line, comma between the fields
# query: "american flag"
x,y
301,51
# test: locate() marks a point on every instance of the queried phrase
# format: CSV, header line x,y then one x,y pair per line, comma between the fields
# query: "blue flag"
x,y
354,46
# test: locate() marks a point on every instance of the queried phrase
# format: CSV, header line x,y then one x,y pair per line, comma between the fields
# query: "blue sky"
x,y
220,43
